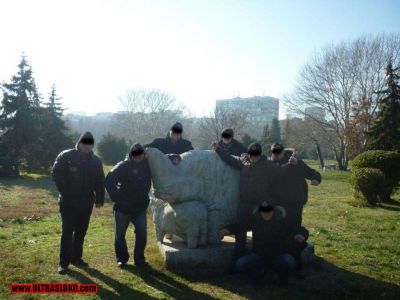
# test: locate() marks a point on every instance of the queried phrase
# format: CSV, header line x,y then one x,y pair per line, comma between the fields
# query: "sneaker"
x,y
80,263
62,270
121,264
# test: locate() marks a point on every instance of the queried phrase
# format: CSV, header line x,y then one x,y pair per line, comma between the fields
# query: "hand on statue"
x,y
224,232
299,238
292,160
243,157
314,182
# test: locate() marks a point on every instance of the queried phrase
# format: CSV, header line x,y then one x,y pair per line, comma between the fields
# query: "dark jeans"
x,y
75,222
245,211
121,221
254,265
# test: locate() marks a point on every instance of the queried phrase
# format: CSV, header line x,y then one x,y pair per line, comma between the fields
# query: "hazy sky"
x,y
199,50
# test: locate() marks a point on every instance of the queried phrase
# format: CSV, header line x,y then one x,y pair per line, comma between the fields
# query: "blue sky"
x,y
199,51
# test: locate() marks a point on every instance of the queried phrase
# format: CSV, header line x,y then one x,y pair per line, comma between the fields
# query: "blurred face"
x,y
226,139
267,215
138,158
254,157
86,145
176,161
277,155
175,135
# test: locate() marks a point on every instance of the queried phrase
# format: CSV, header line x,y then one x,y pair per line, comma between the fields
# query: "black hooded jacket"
x,y
235,147
270,238
257,180
167,146
79,177
128,185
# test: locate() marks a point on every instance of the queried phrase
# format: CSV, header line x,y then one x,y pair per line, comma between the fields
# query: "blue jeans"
x,y
121,223
254,265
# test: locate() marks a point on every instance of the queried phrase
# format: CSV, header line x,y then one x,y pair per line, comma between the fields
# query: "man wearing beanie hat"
x,y
79,177
257,184
128,185
273,242
173,143
229,144
293,188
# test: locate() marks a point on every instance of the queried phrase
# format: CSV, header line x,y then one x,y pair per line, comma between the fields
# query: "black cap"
x,y
177,127
227,133
136,149
277,148
254,148
265,207
86,138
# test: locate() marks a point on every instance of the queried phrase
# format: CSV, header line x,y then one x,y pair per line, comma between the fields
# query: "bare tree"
x,y
338,79
148,113
211,126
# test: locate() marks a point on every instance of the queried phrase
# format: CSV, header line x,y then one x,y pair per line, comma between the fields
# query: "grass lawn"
x,y
358,250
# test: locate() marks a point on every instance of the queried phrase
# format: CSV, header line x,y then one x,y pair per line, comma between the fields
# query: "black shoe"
x,y
62,270
143,264
121,264
80,263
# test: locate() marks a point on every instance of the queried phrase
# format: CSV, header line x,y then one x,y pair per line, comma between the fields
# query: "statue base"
x,y
213,259
209,259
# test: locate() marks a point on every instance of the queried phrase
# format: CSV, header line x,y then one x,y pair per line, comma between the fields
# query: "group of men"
x,y
273,192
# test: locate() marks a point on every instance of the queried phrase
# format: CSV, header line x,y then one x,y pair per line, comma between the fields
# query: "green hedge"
x,y
376,175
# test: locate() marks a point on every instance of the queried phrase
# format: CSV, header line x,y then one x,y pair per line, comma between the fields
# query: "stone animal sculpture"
x,y
200,176
187,220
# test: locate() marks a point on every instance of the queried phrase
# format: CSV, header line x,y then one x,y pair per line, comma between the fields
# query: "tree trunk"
x,y
321,160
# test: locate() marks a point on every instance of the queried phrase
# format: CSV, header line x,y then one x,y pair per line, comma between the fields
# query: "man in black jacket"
x,y
128,185
79,177
273,243
292,187
229,144
257,184
173,143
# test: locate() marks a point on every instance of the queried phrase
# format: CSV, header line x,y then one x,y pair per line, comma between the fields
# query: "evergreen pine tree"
x,y
247,140
55,133
275,134
385,132
19,118
265,139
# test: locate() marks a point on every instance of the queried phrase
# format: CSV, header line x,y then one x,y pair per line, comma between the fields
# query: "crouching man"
x,y
273,243
128,185
79,178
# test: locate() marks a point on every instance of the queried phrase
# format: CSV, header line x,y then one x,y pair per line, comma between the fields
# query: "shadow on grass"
x,y
122,291
31,182
390,205
164,283
323,280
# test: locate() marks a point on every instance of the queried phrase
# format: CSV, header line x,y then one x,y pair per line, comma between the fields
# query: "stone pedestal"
x,y
210,259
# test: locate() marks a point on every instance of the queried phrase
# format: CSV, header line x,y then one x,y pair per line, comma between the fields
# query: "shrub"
x,y
112,149
368,182
386,161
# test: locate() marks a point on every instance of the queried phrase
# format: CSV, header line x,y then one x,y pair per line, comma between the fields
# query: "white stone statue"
x,y
200,176
187,220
